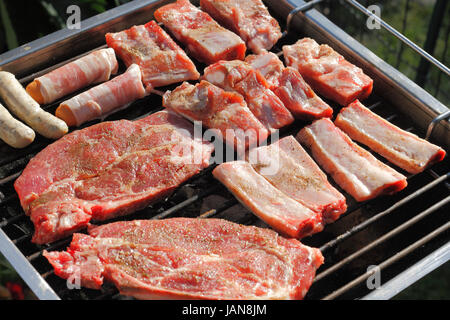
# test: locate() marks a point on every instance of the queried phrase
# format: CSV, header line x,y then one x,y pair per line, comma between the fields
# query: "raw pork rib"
x,y
289,86
274,207
299,98
239,76
327,72
248,18
217,109
185,258
402,148
103,99
161,60
96,67
204,38
106,170
269,65
292,171
356,170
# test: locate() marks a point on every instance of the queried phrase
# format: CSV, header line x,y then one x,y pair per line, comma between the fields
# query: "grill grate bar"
x,y
378,216
389,261
186,202
383,238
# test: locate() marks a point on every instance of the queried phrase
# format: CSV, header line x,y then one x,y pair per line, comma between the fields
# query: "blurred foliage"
x,y
22,21
410,17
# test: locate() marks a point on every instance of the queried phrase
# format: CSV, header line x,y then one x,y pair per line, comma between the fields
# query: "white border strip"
x,y
411,275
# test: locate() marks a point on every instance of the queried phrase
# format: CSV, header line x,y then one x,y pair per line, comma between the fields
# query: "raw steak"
x,y
219,110
107,170
356,170
402,148
185,258
204,38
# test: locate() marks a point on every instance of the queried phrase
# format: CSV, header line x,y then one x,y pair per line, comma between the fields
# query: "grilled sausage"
x,y
24,107
14,132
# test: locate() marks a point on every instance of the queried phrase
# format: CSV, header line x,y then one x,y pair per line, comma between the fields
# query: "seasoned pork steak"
x,y
107,170
188,258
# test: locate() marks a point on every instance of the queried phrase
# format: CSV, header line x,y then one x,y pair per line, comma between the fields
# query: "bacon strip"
x,y
402,148
356,170
161,60
281,212
103,99
327,72
288,167
217,109
239,76
250,19
204,38
96,67
289,86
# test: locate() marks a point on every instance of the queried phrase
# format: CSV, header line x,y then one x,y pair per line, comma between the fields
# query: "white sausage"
x,y
14,132
24,107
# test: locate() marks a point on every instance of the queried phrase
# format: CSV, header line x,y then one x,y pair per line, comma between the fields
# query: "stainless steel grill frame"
x,y
359,239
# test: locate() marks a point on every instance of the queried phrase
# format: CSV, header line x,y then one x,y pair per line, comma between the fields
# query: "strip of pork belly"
x,y
354,169
203,37
96,67
103,99
161,60
239,76
402,148
289,168
106,170
188,258
282,213
217,109
250,19
290,87
327,72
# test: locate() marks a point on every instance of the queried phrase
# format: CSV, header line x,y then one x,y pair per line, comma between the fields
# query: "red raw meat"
x,y
269,65
282,213
185,258
103,99
299,98
402,148
289,86
106,170
356,170
327,72
204,38
161,60
93,68
248,18
239,76
217,109
293,172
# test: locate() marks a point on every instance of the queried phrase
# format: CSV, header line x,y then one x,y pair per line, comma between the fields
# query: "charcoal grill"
x,y
396,239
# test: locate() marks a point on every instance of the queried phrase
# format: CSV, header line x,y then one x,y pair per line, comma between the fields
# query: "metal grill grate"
x,y
392,232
